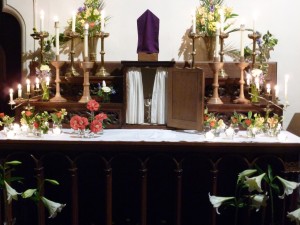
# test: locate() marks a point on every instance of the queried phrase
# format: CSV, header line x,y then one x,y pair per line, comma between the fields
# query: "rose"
x,y
101,117
96,126
93,105
78,122
248,122
28,113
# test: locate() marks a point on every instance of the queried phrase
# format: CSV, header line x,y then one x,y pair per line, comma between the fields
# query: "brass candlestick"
x,y
87,66
193,36
101,72
215,66
71,71
241,99
222,73
40,36
254,37
57,98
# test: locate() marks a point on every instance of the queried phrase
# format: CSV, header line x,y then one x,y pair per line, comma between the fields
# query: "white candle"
x,y
85,40
47,81
193,22
28,85
254,21
11,92
217,40
37,83
42,17
268,86
221,12
73,21
56,25
102,20
242,28
34,14
19,91
248,78
256,81
286,80
276,88
103,83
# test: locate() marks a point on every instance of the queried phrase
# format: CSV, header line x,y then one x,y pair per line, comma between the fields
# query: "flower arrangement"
x,y
104,91
6,120
249,193
208,14
93,124
253,121
27,117
89,13
44,74
58,117
40,122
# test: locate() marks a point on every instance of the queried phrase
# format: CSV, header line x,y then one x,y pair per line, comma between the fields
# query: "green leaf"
x,y
54,182
28,193
14,163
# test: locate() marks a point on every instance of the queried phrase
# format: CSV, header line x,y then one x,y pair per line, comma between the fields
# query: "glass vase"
x,y
57,128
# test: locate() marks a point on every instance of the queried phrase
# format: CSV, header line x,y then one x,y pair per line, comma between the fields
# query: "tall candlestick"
x,y
56,25
286,80
19,91
37,83
86,33
242,28
102,20
42,17
28,85
73,21
11,91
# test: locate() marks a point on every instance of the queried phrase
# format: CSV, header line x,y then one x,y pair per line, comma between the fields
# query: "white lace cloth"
x,y
158,135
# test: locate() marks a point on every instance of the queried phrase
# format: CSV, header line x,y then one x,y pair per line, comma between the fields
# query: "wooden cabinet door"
x,y
185,99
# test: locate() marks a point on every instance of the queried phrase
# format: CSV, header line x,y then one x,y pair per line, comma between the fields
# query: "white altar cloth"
x,y
157,135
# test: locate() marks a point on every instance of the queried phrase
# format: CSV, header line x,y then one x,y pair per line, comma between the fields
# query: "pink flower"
x,y
101,116
78,122
93,105
96,126
2,115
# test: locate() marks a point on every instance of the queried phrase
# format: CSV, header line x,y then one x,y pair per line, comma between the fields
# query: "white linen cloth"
x,y
135,96
158,102
156,135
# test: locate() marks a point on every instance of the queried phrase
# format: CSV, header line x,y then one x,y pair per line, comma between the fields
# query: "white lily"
x,y
259,201
218,201
246,173
254,183
294,216
289,186
11,193
53,207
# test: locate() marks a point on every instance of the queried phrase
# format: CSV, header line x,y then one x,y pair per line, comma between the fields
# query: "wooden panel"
x,y
185,98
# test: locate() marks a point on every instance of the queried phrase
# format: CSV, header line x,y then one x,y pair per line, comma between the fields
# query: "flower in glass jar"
x,y
6,119
79,122
274,121
40,121
27,117
57,117
253,120
105,91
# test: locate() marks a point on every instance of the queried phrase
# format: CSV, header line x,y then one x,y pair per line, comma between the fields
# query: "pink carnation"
x,y
96,126
78,122
93,105
101,116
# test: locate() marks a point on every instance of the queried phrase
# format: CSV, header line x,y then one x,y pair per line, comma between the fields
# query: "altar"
x,y
147,176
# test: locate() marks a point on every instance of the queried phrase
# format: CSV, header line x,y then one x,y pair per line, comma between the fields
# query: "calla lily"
x,y
259,201
254,183
289,186
53,207
11,193
246,173
294,216
218,201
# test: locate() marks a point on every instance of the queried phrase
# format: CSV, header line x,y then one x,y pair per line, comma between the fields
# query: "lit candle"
x,y
102,20
254,21
85,40
103,83
286,79
193,22
256,81
217,40
11,92
276,88
37,83
34,14
19,91
73,21
221,12
28,85
242,28
47,81
42,16
268,86
56,25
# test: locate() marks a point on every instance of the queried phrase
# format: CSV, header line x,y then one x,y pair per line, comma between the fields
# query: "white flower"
x,y
289,186
294,216
218,201
254,183
53,207
106,89
246,173
45,68
259,200
11,193
256,72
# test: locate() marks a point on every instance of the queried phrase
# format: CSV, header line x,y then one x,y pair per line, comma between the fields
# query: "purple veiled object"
x,y
148,30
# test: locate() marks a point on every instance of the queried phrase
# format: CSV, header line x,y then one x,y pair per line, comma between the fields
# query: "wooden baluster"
x,y
144,196
108,172
74,181
214,191
178,172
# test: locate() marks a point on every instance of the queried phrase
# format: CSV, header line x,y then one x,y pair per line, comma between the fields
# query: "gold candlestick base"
x,y
57,97
87,66
71,71
101,72
215,66
193,36
241,99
